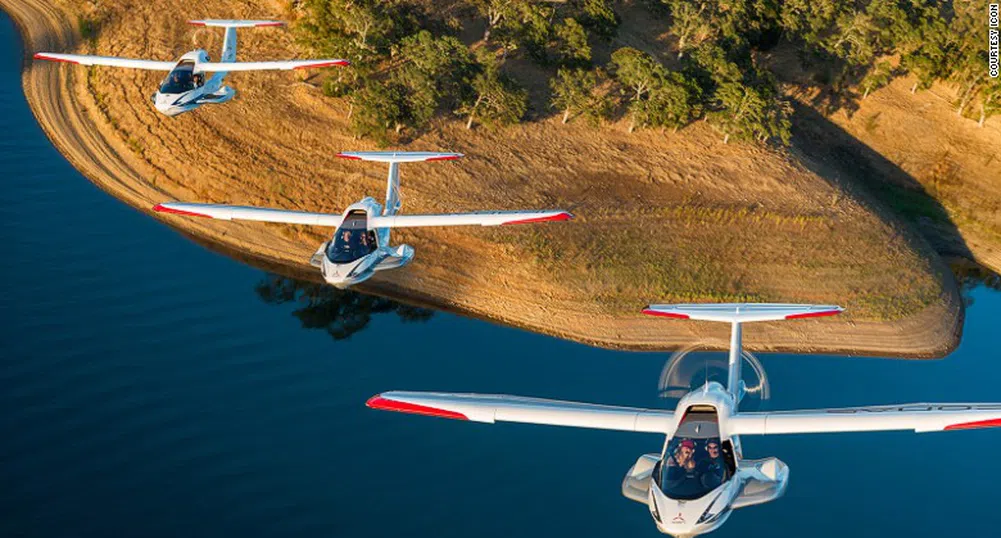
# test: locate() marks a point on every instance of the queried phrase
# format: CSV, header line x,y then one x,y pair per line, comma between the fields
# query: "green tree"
x,y
636,70
575,93
496,100
597,16
376,108
494,11
748,113
880,75
689,23
639,73
571,42
435,71
358,30
674,101
990,100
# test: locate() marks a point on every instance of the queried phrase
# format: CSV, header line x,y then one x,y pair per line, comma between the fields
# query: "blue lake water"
x,y
147,389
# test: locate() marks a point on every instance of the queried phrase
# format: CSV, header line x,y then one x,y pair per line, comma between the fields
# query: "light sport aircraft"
x,y
186,86
360,244
700,476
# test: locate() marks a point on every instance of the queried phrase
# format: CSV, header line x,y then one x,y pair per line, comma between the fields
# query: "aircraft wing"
x,y
216,67
233,212
484,218
920,417
492,408
109,61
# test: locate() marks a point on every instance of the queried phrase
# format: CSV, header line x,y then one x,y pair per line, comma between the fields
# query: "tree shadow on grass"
x,y
836,155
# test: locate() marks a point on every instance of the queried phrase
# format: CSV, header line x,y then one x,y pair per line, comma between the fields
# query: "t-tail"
x,y
394,158
736,314
229,40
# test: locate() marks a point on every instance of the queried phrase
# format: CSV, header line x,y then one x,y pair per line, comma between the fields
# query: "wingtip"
x,y
385,404
833,311
448,157
48,56
331,63
161,208
650,311
557,217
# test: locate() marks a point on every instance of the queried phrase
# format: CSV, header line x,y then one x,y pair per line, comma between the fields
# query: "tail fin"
x,y
741,312
394,158
235,23
736,314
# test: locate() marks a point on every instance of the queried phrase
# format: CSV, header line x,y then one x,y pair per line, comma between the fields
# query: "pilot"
x,y
199,79
681,464
712,470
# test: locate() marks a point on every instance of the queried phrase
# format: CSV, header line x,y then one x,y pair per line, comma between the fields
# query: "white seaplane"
x,y
186,86
700,476
360,245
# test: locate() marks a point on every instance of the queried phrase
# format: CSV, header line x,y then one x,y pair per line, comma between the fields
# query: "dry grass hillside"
x,y
661,217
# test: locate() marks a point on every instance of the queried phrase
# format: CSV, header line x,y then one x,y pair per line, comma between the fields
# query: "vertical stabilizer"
x,y
737,314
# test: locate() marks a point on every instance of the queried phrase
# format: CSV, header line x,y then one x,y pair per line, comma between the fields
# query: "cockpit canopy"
x,y
182,79
695,462
352,240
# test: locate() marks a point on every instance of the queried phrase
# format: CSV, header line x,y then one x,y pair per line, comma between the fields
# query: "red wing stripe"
x,y
378,402
443,158
674,315
160,208
41,56
346,156
814,314
196,23
559,216
274,23
992,423
323,64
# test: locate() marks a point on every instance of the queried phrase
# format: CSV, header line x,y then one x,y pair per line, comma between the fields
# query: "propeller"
x,y
692,366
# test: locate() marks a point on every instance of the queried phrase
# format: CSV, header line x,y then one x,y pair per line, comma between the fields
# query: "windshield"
x,y
352,240
695,462
692,468
181,79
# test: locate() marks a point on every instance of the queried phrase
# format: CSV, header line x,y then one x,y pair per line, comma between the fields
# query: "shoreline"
x,y
63,109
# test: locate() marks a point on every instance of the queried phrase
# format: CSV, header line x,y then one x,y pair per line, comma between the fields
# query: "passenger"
x,y
712,470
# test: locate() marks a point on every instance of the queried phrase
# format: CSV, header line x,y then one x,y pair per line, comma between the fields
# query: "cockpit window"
x,y
692,468
695,462
352,240
182,79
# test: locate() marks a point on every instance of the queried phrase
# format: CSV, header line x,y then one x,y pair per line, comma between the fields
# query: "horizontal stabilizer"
x,y
484,218
280,65
110,61
399,156
232,212
235,23
741,312
919,417
492,408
